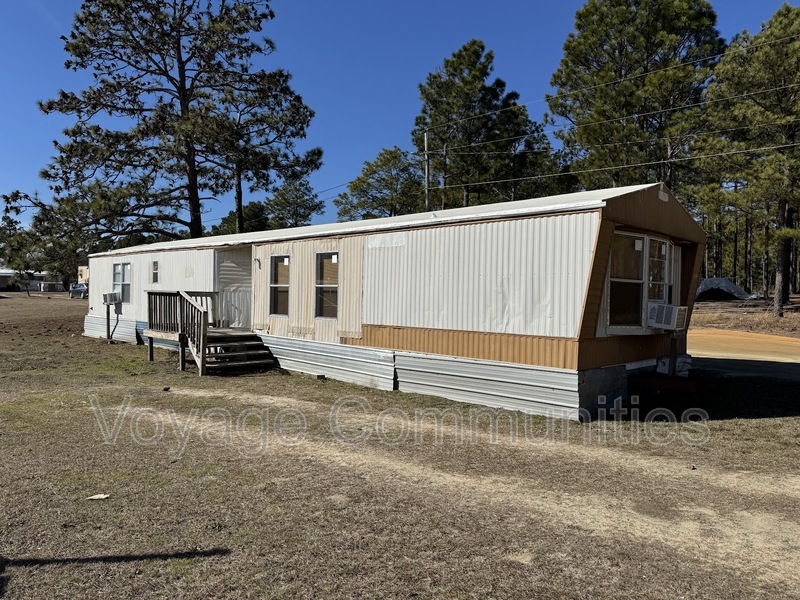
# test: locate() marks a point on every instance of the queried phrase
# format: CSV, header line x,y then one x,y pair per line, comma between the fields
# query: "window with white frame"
x,y
327,287
279,286
155,272
640,273
658,266
122,281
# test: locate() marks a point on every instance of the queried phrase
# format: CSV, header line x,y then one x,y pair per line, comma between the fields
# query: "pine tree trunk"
x,y
781,261
736,248
780,280
705,250
785,248
748,253
238,200
193,192
765,263
718,249
786,262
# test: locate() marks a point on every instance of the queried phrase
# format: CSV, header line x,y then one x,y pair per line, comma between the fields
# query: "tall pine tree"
x,y
754,103
481,143
152,139
629,88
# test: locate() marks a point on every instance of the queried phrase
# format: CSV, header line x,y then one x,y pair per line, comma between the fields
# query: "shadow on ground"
x,y
122,558
725,389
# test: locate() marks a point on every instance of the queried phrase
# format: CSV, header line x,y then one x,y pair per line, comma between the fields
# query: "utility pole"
x,y
427,175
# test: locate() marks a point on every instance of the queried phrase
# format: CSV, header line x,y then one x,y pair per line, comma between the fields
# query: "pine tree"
x,y
629,88
478,133
154,135
390,185
754,103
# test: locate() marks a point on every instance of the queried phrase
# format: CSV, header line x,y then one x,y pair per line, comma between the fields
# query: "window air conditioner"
x,y
666,316
112,298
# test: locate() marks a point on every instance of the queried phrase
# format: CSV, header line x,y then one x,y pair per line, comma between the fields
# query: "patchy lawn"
x,y
278,485
749,315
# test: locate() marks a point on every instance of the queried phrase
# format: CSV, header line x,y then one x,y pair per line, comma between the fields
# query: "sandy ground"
x,y
745,354
718,343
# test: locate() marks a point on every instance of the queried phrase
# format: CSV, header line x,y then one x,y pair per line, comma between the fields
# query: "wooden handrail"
x,y
194,325
180,313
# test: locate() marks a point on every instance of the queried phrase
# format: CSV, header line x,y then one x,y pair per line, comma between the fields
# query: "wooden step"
x,y
235,364
253,344
231,334
262,352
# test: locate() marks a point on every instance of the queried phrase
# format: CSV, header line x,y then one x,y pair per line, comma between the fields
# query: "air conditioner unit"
x,y
666,316
112,298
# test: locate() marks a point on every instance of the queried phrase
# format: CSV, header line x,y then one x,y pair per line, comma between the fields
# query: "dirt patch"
x,y
743,345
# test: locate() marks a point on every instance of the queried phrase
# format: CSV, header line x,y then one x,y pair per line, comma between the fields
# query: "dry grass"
x,y
752,315
598,515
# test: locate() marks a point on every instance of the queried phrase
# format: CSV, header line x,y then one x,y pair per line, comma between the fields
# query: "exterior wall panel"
x,y
192,270
524,277
351,287
325,330
622,349
559,353
260,283
301,321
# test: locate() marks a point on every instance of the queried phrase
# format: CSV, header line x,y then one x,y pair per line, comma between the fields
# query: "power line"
x,y
611,168
694,134
617,119
609,83
669,110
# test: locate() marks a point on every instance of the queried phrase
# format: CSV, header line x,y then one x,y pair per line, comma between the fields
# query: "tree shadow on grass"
x,y
110,559
725,389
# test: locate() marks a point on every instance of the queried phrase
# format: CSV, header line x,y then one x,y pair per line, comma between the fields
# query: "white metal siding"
x,y
525,277
178,270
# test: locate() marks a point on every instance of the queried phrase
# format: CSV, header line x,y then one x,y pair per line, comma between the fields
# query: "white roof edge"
x,y
577,201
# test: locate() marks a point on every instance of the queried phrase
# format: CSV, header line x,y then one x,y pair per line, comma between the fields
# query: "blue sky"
x,y
357,63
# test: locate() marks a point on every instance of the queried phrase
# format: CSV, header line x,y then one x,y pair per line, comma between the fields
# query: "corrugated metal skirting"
x,y
534,390
365,366
122,330
126,330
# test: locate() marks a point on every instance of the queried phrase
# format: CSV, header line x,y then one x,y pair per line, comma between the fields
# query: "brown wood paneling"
x,y
597,280
563,353
560,353
621,349
691,259
646,211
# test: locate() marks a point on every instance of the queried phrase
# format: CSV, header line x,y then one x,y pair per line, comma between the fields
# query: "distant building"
x,y
7,283
83,274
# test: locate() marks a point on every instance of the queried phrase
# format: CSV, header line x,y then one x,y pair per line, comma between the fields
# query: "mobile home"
x,y
539,305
